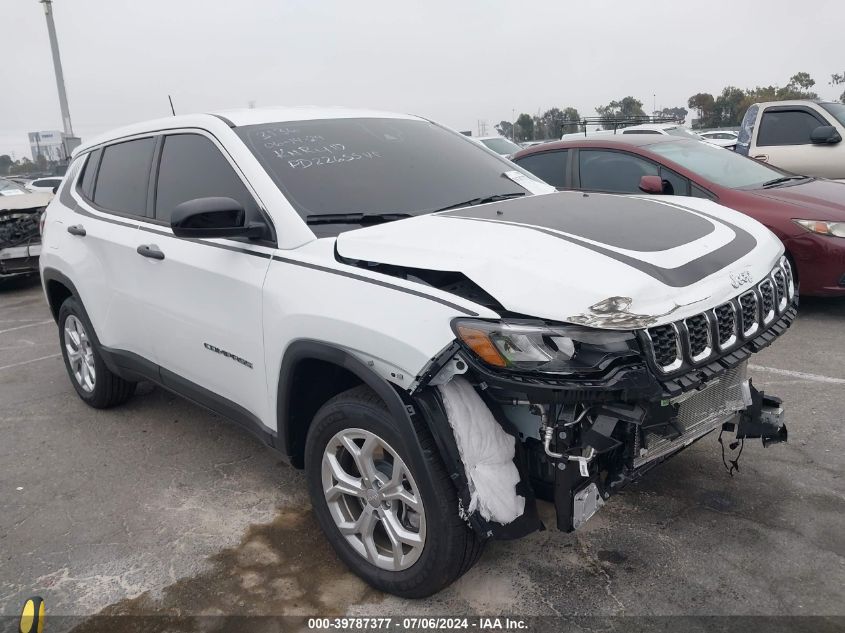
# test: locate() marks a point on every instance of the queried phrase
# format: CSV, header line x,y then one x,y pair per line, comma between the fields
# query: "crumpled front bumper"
x,y
578,497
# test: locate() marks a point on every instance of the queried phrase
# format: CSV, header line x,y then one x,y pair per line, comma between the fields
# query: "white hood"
x,y
603,260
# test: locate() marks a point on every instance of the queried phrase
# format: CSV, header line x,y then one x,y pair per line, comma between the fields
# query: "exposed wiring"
x,y
734,462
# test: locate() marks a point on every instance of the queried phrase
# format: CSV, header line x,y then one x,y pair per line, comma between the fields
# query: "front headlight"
x,y
836,229
538,347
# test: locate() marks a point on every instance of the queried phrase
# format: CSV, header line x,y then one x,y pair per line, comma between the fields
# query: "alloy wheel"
x,y
80,354
373,499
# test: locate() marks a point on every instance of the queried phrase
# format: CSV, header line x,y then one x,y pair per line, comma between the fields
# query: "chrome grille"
x,y
698,330
699,412
748,306
664,342
780,285
726,324
790,280
767,291
722,327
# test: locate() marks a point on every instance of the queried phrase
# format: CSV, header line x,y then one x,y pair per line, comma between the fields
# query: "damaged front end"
x,y
589,410
20,238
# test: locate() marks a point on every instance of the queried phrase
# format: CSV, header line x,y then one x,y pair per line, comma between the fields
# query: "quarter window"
x,y
679,185
613,171
698,192
124,175
547,166
87,184
192,167
786,127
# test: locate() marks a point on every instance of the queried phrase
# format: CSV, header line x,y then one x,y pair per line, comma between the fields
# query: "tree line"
x,y
724,110
9,167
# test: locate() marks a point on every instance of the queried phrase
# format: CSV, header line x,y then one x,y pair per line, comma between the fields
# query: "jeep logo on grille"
x,y
740,279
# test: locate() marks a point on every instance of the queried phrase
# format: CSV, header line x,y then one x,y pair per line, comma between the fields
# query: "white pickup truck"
x,y
804,137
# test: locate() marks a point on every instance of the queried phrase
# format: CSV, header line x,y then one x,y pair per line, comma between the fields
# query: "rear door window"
x,y
786,127
614,172
193,167
123,177
547,166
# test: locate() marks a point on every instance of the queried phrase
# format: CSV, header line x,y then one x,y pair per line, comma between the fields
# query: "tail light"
x,y
42,223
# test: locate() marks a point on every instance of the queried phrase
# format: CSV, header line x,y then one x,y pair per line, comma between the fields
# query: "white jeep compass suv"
x,y
435,336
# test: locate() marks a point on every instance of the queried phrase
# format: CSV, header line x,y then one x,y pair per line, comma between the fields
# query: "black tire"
x,y
108,390
451,547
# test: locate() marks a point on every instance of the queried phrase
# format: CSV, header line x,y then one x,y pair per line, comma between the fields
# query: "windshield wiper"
x,y
781,180
484,200
355,218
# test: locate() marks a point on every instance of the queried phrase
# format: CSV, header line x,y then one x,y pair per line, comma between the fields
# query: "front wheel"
x,y
397,529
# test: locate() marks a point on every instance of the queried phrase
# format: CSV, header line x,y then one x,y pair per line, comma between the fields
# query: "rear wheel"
x,y
395,527
93,381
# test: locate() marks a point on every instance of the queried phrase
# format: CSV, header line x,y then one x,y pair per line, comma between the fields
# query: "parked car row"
x,y
35,185
722,138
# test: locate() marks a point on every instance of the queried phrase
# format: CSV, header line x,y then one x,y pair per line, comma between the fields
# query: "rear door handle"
x,y
148,250
76,229
762,157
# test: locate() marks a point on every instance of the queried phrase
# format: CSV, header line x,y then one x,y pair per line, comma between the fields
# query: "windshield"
x,y
836,109
501,145
9,188
376,166
716,164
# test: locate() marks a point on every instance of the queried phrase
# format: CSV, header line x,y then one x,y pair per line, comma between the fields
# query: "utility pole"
x,y
57,66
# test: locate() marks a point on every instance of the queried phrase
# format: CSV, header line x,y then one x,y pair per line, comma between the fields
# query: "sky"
x,y
456,62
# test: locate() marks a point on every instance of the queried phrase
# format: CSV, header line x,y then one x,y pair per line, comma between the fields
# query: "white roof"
x,y
241,116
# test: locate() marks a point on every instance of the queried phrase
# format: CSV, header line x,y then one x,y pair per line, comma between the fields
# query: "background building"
x,y
53,145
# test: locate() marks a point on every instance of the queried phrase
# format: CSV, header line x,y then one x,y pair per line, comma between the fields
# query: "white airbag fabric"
x,y
486,451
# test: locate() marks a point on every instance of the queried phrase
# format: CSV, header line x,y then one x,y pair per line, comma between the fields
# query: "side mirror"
x,y
651,184
825,134
56,189
213,217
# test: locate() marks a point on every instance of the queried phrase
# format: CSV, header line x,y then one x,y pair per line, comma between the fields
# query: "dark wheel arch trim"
x,y
306,349
428,405
51,274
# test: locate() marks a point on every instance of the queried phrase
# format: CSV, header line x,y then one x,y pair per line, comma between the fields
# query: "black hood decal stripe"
x,y
680,277
612,220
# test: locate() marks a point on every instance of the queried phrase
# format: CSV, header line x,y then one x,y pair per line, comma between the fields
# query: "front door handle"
x,y
76,229
148,250
761,157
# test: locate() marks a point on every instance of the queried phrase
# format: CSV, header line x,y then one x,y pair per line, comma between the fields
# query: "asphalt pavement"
x,y
160,506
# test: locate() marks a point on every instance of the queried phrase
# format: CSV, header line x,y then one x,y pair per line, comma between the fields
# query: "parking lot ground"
x,y
160,506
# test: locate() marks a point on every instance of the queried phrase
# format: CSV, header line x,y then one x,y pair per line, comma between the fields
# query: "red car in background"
x,y
807,214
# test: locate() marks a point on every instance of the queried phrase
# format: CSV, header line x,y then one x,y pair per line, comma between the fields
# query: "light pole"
x,y
57,66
